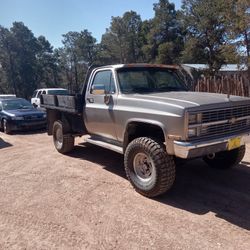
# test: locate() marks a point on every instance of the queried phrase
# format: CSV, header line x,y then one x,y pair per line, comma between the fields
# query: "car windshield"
x,y
58,92
145,80
16,104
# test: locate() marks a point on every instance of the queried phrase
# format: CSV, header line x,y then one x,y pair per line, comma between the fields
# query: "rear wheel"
x,y
149,168
64,143
226,159
6,126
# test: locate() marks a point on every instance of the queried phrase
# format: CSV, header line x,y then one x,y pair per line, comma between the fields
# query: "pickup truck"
x,y
146,113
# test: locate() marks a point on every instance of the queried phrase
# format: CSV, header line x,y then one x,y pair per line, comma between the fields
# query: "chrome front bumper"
x,y
198,149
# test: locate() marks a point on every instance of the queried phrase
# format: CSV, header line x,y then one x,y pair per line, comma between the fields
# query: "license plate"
x,y
234,143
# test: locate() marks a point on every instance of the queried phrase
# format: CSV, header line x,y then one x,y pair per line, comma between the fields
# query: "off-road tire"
x,y
64,143
163,165
226,159
6,127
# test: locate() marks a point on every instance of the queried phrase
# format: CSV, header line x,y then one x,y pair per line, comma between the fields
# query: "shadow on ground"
x,y
198,188
109,160
4,144
29,132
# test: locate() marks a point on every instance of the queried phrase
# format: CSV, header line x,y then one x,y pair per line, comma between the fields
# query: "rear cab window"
x,y
39,94
58,92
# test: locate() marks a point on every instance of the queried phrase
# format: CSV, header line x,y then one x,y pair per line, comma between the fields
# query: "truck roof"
x,y
2,96
140,65
50,89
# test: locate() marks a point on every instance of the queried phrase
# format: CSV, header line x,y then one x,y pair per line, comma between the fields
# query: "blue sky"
x,y
52,18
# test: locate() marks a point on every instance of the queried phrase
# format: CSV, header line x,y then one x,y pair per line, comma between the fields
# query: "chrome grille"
x,y
225,114
224,129
222,122
32,117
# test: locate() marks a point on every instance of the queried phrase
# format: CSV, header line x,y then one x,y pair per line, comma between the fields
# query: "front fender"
x,y
143,127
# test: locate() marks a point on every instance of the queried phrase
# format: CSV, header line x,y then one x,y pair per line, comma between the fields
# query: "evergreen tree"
x,y
26,61
164,39
206,39
121,43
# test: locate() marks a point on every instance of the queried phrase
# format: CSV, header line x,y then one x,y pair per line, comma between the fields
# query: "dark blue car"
x,y
18,114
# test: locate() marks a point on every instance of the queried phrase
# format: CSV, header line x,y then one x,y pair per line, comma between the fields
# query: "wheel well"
x,y
71,122
139,129
52,116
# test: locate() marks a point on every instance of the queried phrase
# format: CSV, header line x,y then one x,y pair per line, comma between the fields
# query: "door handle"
x,y
90,100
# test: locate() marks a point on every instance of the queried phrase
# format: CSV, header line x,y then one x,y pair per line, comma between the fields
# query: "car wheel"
x,y
6,126
226,159
150,170
64,143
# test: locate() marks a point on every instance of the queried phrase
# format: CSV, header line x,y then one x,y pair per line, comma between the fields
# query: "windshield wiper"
x,y
170,89
24,107
142,90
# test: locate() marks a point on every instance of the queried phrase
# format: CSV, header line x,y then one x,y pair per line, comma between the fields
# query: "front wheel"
x,y
6,126
226,159
150,170
64,143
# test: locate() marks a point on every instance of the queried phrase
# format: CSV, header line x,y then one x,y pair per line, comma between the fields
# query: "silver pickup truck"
x,y
146,113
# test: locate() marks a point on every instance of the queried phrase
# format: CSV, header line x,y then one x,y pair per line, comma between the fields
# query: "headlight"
x,y
192,119
17,118
194,125
44,115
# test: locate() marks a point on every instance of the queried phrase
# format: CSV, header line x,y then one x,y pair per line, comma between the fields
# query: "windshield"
x,y
58,92
144,80
16,104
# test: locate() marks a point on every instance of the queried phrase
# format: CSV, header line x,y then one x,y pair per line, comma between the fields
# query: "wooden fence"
x,y
236,84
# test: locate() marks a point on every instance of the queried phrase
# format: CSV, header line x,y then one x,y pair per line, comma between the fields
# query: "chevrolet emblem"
x,y
233,120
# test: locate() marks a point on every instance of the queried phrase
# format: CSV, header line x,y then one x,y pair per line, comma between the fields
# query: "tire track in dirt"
x,y
42,231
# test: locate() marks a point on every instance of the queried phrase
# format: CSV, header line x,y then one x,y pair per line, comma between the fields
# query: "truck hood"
x,y
185,100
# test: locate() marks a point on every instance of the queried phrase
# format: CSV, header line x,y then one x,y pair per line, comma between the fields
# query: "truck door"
x,y
37,99
100,100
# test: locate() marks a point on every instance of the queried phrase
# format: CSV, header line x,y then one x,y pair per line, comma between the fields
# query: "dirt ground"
x,y
83,201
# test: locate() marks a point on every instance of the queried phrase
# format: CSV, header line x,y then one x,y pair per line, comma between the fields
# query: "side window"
x,y
1,107
39,94
103,81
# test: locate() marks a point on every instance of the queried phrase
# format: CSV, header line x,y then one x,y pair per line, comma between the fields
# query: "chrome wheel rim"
x,y
144,167
4,126
59,137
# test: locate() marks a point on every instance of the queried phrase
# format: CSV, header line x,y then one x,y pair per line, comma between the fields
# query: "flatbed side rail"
x,y
66,103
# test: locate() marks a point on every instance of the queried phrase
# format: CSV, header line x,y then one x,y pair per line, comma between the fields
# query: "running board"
x,y
104,144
